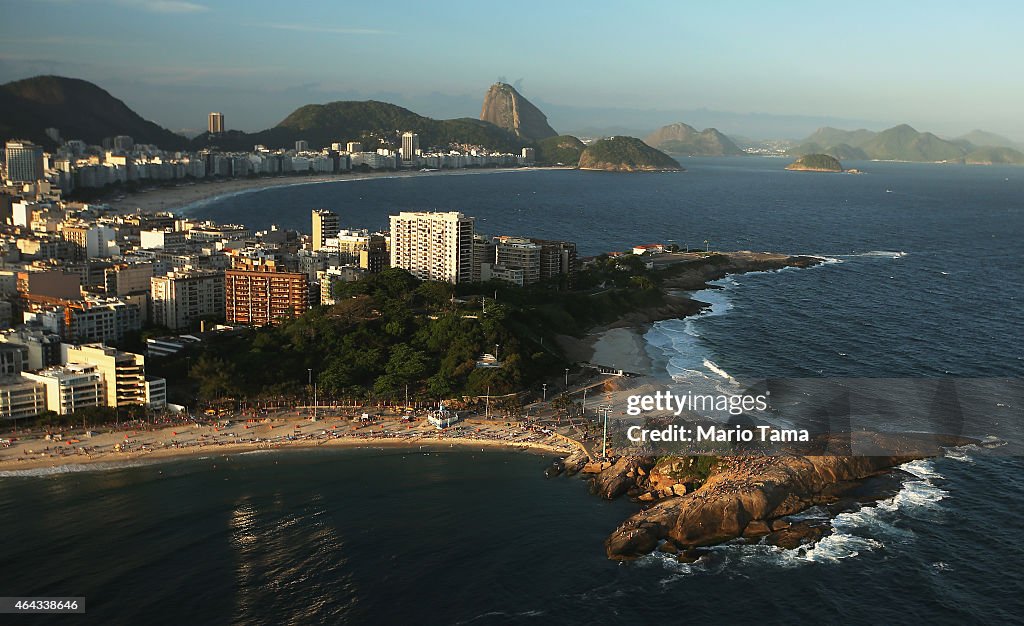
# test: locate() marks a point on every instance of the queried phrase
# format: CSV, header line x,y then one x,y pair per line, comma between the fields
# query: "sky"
x,y
754,68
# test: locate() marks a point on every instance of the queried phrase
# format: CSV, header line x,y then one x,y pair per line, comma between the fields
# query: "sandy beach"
x,y
128,445
185,194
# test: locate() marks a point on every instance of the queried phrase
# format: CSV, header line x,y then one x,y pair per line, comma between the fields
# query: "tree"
x,y
216,378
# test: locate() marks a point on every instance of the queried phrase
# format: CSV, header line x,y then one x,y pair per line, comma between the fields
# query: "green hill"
x,y
904,143
842,151
369,121
563,149
984,138
816,163
78,109
625,154
684,139
828,136
994,155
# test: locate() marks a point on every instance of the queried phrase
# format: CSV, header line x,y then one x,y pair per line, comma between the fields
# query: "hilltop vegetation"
x,y
563,149
904,143
391,329
684,139
368,121
625,154
816,163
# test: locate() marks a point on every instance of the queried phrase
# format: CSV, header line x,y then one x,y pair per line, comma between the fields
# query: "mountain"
x,y
984,138
683,139
899,143
563,149
625,154
840,150
828,136
506,108
368,121
78,109
904,143
816,163
994,155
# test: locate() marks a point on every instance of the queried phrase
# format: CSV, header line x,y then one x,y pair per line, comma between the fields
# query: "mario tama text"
x,y
717,434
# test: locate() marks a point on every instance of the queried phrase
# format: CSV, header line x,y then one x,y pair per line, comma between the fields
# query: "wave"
x,y
73,468
890,254
711,365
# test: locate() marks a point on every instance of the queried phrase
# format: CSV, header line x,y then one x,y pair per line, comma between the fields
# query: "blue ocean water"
x,y
925,282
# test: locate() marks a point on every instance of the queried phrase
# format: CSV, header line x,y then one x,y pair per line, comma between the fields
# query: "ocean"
x,y
923,285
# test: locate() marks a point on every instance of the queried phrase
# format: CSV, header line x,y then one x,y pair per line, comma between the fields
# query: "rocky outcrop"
x,y
506,108
693,276
686,140
748,496
626,154
816,163
621,476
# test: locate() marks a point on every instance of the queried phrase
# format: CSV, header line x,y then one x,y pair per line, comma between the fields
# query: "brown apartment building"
x,y
257,294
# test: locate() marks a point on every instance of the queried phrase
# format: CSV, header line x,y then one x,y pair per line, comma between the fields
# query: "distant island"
x,y
626,154
816,163
683,139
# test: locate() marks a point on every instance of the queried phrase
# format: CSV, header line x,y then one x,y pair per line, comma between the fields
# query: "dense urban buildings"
x,y
81,281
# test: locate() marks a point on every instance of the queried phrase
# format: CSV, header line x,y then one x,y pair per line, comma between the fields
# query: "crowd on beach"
x,y
260,429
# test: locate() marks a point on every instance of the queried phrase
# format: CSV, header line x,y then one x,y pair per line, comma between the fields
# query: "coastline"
x,y
620,345
28,456
185,196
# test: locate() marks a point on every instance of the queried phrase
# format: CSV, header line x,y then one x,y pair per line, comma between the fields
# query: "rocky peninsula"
x,y
626,154
702,500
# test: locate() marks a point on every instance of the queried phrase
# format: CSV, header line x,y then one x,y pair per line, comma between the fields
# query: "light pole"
x,y
707,246
545,385
567,378
309,383
604,444
496,346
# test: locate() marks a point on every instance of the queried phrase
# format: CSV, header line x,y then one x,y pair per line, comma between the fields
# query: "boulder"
x,y
797,535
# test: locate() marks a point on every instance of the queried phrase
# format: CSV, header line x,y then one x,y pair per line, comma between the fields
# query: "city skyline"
x,y
745,68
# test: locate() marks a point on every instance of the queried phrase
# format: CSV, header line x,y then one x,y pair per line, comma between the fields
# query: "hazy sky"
x,y
943,66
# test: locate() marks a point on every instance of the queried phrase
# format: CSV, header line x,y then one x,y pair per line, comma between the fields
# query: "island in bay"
x,y
816,163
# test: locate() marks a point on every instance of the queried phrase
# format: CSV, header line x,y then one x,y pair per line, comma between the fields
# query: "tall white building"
x,y
433,246
71,387
24,161
181,298
410,146
215,123
325,226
